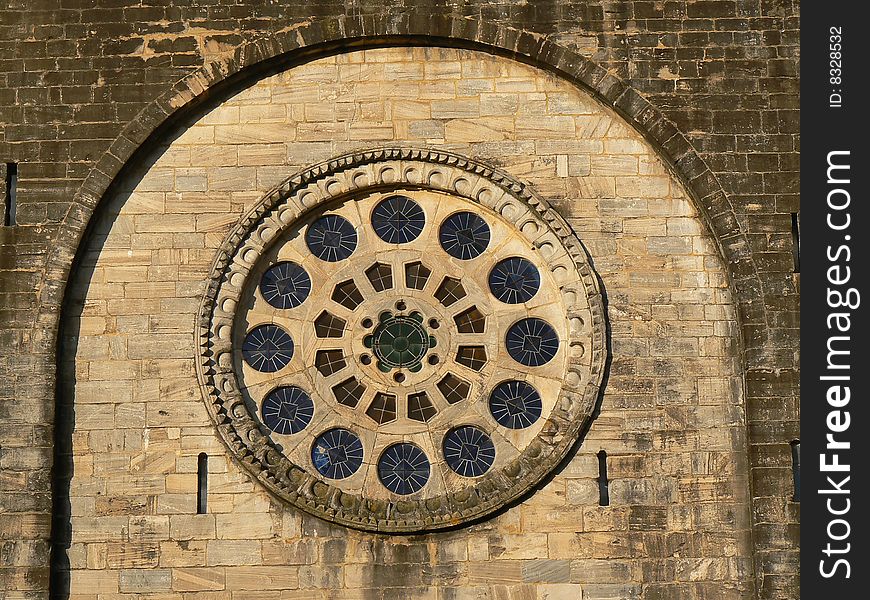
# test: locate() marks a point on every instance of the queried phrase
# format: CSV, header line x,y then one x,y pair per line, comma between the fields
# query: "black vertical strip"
x,y
834,272
11,185
796,469
603,482
796,240
202,484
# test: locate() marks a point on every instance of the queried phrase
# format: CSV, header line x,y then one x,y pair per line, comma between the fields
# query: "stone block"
x,y
643,187
198,579
245,526
407,71
185,553
320,577
544,127
100,529
546,571
149,528
96,416
256,155
145,580
502,571
171,504
134,554
463,108
552,518
614,165
474,87
100,581
587,571
261,578
517,546
233,552
560,591
262,113
611,591
255,133
215,156
453,550
483,129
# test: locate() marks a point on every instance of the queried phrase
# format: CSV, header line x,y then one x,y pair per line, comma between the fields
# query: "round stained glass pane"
x,y
285,285
337,453
400,341
287,410
532,342
464,235
331,238
514,280
267,348
398,220
403,468
469,451
515,404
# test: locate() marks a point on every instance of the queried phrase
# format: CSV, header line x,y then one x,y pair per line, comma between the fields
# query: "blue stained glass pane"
x,y
464,235
515,404
331,238
398,220
337,453
469,451
285,285
532,342
267,348
403,468
287,410
514,280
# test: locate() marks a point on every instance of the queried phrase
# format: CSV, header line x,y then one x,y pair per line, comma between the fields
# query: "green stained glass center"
x,y
400,342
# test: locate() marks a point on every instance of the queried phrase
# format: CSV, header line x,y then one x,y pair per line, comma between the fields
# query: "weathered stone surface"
x,y
108,65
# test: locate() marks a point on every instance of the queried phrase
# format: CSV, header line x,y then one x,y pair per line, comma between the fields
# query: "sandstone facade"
x,y
688,226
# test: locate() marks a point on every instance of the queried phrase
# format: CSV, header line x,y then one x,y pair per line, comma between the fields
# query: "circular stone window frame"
x,y
377,170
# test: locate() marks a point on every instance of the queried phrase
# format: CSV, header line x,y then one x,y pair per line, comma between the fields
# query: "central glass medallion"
x,y
400,342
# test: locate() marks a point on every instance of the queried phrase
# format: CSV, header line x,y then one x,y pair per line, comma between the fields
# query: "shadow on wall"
x,y
81,276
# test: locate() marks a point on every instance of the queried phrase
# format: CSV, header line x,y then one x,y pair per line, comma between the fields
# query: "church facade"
x,y
400,300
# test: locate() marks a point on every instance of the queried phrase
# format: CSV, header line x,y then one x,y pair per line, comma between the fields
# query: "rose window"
x,y
401,345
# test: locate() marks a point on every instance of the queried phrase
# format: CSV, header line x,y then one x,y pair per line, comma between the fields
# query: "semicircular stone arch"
x,y
278,51
671,412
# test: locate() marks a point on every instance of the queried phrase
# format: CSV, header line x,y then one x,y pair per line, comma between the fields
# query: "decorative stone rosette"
x,y
401,340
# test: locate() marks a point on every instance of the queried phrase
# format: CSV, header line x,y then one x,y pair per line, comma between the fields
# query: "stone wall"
x,y
74,77
671,416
